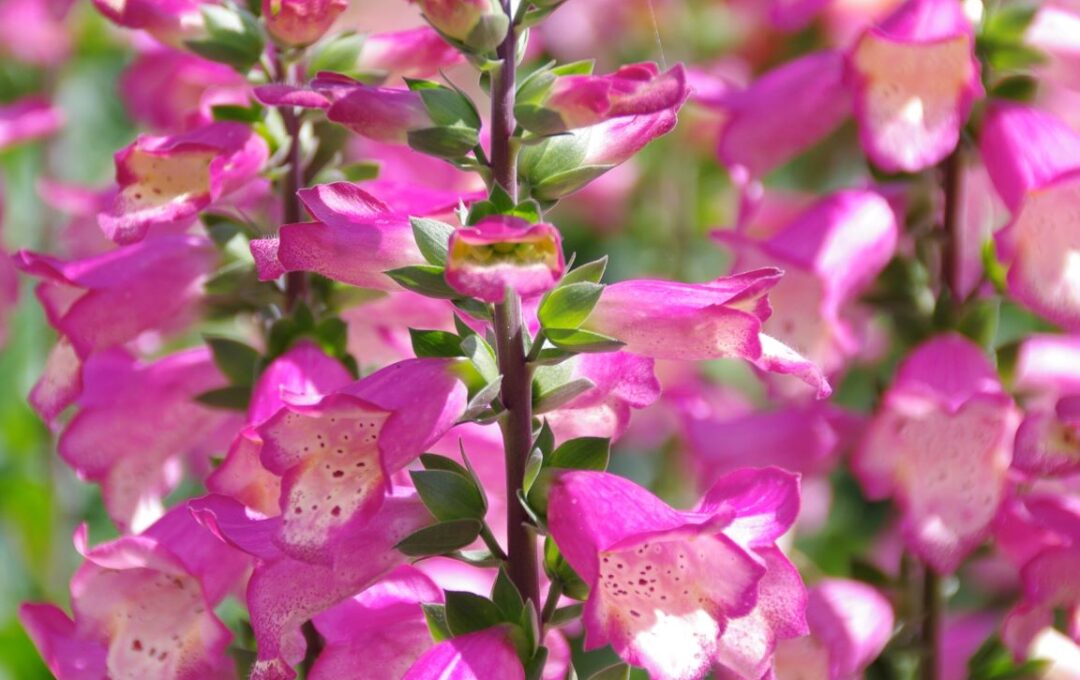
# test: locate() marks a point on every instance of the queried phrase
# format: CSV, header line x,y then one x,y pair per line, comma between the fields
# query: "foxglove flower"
x,y
758,134
696,322
169,22
380,632
34,31
551,105
383,114
484,654
300,22
792,15
850,623
1049,584
651,570
500,253
414,53
164,429
302,373
283,593
563,164
622,383
829,254
916,78
143,606
1034,162
1048,372
169,89
1053,31
357,237
28,119
379,330
335,456
167,180
479,24
941,444
110,299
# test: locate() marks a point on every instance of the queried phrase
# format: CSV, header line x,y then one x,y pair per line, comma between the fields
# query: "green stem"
x,y
516,394
552,602
491,543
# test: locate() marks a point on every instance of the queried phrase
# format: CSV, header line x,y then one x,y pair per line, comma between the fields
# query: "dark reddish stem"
x,y
296,283
510,341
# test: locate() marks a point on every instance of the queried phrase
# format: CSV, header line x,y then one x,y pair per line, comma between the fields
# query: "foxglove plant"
x,y
388,454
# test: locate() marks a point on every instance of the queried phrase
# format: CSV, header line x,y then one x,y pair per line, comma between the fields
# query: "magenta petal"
x,y
379,113
1046,446
504,252
691,322
284,593
634,89
941,444
109,299
163,427
622,382
68,655
764,502
413,53
1045,247
588,513
483,655
852,620
288,95
332,476
748,642
28,119
758,135
1025,148
168,180
382,630
916,78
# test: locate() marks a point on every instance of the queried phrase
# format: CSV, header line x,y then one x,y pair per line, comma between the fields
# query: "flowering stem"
x,y
552,602
931,625
296,283
509,340
952,177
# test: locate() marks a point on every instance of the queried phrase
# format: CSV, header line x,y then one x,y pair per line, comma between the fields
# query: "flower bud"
x,y
504,252
479,24
300,22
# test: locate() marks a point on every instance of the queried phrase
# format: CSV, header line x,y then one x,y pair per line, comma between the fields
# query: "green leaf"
x,y
979,321
234,398
435,343
359,172
333,336
581,341
1021,88
545,439
534,670
441,538
433,461
239,114
568,306
427,280
567,614
619,671
553,399
532,469
432,238
435,615
482,356
481,400
448,495
552,356
557,568
444,142
237,361
583,453
558,185
506,596
447,107
590,272
468,612
339,54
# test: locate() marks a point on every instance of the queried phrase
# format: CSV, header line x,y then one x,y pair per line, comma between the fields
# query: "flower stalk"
x,y
516,391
